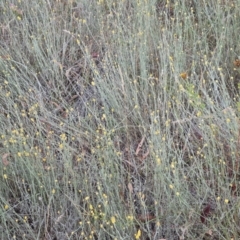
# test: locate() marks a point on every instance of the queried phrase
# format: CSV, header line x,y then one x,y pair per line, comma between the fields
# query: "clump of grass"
x,y
119,120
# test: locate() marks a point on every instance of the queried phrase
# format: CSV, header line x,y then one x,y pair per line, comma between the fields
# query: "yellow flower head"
x,y
113,220
138,234
183,75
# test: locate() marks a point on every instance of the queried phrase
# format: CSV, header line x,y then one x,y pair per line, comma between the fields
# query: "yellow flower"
x,y
61,146
63,137
199,114
183,75
138,234
130,217
113,220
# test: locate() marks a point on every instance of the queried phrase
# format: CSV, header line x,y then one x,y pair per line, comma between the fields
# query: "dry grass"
x,y
119,119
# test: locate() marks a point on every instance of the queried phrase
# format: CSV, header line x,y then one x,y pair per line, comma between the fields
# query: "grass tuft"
x,y
119,119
